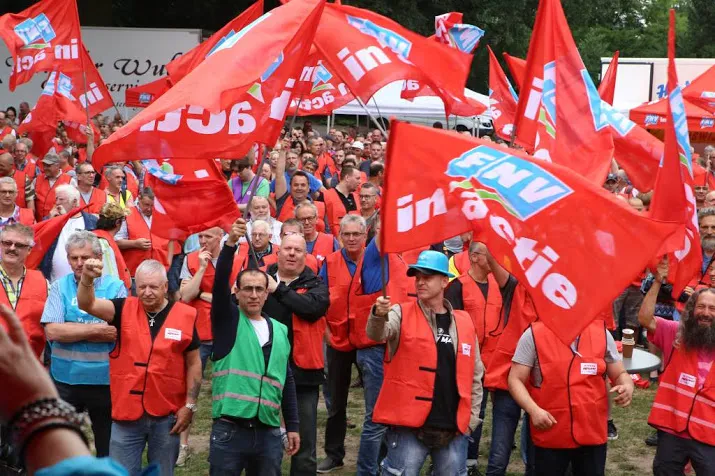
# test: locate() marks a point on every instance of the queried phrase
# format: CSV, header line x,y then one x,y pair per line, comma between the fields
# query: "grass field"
x,y
627,456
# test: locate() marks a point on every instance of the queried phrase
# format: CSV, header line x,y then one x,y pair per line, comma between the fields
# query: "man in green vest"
x,y
252,380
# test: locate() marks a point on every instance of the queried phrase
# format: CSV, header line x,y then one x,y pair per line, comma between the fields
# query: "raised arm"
x,y
191,288
498,271
281,184
646,313
86,300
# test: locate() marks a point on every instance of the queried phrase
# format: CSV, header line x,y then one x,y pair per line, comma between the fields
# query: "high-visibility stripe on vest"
x,y
137,228
29,306
680,404
323,246
203,319
82,363
459,264
122,269
145,375
521,314
287,210
243,386
97,199
573,389
20,178
486,315
45,195
335,209
408,387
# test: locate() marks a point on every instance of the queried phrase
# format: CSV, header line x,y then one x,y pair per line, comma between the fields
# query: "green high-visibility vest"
x,y
243,387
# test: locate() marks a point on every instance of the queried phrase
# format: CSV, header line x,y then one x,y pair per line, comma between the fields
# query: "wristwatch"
x,y
192,406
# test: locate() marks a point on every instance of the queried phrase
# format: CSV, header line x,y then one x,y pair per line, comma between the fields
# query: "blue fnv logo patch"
x,y
522,187
34,30
399,45
232,37
705,123
651,119
465,37
321,79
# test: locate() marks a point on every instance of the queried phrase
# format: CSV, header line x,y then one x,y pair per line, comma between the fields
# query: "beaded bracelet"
x,y
29,416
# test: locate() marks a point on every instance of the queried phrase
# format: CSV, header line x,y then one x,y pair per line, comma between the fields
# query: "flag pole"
x,y
364,108
379,115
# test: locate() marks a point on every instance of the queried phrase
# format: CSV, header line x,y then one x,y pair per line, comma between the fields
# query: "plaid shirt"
x,y
15,218
12,292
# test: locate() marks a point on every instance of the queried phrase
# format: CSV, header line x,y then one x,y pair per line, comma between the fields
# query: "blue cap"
x,y
430,262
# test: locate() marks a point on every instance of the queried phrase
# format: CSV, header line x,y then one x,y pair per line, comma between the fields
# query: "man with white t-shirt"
x,y
55,265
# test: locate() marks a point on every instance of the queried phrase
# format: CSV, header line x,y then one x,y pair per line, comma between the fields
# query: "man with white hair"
x,y
55,265
25,196
318,244
262,246
46,184
10,212
155,374
25,160
261,210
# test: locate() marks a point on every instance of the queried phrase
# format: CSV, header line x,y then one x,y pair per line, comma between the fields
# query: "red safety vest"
x,y
30,167
137,228
96,201
26,217
521,315
45,195
30,305
203,319
335,209
323,247
339,282
307,343
243,255
310,261
288,211
20,177
122,268
573,389
681,406
461,262
145,375
408,387
486,315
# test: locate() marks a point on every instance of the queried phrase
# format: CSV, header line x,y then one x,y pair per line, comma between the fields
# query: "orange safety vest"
x,y
310,261
461,262
122,269
323,246
679,405
30,305
45,195
408,387
20,177
96,201
203,319
336,210
521,314
288,211
150,376
486,315
339,282
573,389
307,345
30,167
26,217
137,228
243,255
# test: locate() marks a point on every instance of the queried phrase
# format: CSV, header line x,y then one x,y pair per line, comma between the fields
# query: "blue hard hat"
x,y
430,262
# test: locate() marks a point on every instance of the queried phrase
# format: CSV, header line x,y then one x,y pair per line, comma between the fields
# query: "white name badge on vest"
x,y
172,334
589,368
466,349
687,380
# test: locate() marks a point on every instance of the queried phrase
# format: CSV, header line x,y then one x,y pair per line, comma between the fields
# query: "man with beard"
x,y
684,408
706,223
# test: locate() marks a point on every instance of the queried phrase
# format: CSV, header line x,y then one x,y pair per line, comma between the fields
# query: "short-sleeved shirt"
x,y
313,183
664,336
525,354
263,189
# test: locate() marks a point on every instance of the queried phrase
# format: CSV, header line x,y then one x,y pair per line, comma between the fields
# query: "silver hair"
x,y
108,171
82,238
9,181
71,192
305,204
152,266
24,230
354,220
28,142
708,149
474,246
706,212
261,223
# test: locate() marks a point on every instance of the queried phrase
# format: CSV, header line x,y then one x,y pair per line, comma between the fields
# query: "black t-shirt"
x,y
348,202
445,400
157,324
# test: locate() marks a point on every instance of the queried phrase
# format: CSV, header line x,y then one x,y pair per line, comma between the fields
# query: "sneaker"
x,y
328,465
472,469
652,440
184,455
612,431
350,424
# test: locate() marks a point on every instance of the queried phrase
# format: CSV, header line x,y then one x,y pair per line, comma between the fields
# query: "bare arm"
x,y
281,185
622,383
539,418
500,274
647,311
190,289
193,376
90,143
69,332
86,300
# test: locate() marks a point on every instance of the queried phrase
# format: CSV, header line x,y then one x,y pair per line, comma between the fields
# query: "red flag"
x,y
673,198
46,232
502,99
234,98
368,51
558,234
145,94
607,88
559,114
44,37
187,62
96,97
191,198
39,132
517,68
701,91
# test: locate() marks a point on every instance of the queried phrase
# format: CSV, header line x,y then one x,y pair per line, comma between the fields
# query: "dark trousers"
x,y
673,454
304,462
97,401
234,448
584,461
339,372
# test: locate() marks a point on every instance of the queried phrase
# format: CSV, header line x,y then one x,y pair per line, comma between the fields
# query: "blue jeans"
x,y
406,454
473,448
130,437
370,362
505,418
207,346
234,448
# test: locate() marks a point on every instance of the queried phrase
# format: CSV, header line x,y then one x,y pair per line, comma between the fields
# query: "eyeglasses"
x,y
8,192
19,246
352,235
367,197
308,219
88,172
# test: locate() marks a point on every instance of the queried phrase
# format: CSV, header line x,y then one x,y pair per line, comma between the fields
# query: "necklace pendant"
x,y
151,322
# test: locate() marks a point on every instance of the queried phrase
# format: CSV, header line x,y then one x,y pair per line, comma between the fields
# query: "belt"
x,y
245,422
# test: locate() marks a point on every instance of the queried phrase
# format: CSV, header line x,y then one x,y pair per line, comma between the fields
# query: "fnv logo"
x,y
651,119
706,123
398,44
523,188
36,33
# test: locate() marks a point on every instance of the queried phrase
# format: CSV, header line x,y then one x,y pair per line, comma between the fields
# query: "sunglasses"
x,y
18,246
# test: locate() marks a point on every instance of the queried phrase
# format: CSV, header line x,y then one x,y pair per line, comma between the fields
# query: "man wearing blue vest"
x,y
81,342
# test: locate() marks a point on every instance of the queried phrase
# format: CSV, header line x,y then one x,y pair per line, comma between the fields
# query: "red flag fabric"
x,y
701,91
192,197
673,198
187,62
517,68
559,115
96,97
654,115
39,132
46,232
607,88
234,98
145,94
559,235
43,37
502,99
368,51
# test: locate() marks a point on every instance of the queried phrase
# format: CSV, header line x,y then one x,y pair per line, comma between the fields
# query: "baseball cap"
x,y
51,159
357,145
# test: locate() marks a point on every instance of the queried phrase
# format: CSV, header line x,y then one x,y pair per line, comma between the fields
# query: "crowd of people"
x,y
121,324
